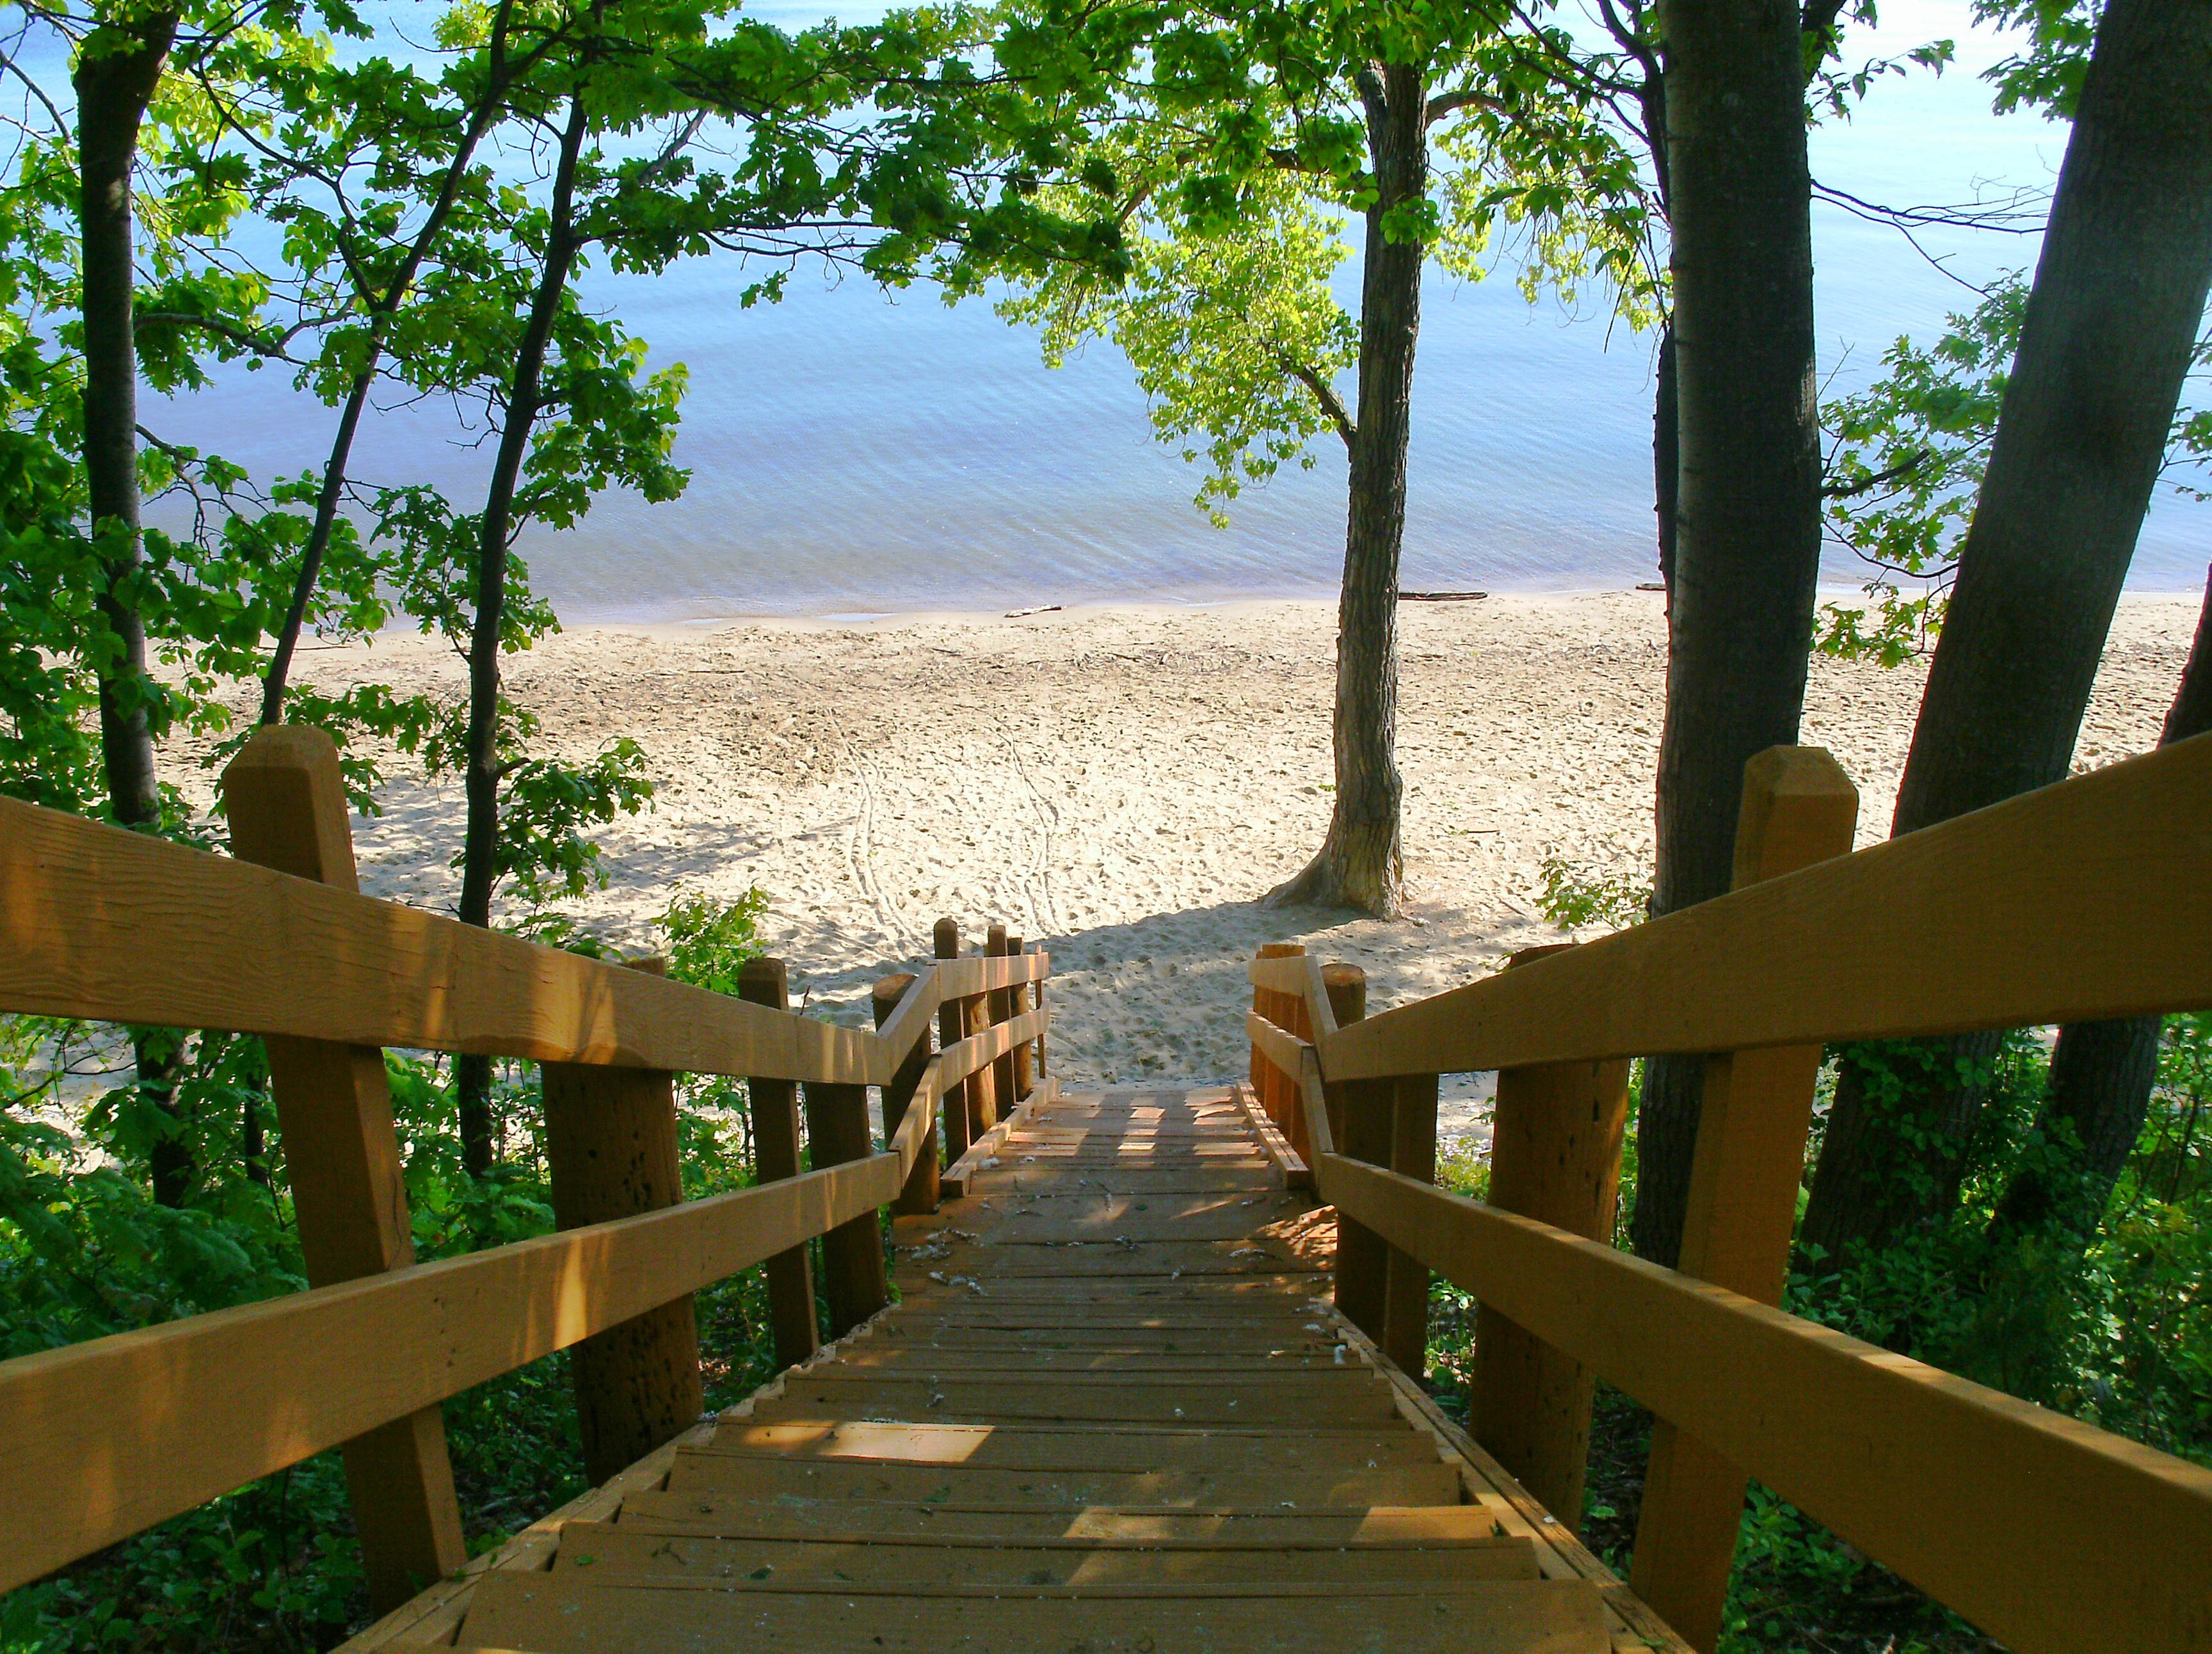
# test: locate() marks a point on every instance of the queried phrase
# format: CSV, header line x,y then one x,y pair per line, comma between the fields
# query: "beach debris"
x,y
1651,586
1440,597
1042,609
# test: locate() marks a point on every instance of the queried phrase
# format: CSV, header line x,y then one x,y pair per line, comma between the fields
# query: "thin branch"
x,y
1904,467
1326,395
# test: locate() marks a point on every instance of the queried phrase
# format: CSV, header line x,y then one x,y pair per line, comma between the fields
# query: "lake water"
x,y
857,454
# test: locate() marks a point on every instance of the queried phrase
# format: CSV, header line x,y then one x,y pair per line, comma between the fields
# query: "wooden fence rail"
x,y
120,1433
2089,899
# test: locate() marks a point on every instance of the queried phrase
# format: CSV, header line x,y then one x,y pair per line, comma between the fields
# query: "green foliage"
x,y
709,942
1906,467
2113,1328
1234,141
1574,895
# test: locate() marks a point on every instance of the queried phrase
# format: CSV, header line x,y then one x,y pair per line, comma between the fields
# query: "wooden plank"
x,y
286,800
957,1178
98,922
1554,1156
709,1477
775,1109
555,1615
1413,1154
143,1425
1799,809
611,1143
2086,900
854,1283
2045,1532
1315,1403
861,1559
1044,1447
919,1193
1089,1526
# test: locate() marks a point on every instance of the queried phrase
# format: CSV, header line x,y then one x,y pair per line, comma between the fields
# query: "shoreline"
x,y
1125,782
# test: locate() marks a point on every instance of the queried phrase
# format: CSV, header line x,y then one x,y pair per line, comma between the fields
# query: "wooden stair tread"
x,y
1113,1411
554,1613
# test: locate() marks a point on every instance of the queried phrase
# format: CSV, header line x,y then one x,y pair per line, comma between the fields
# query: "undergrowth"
x,y
2113,1327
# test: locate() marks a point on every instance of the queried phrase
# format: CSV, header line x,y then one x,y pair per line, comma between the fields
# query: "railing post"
x,y
288,811
610,1146
853,1278
918,1196
1555,1157
1275,1090
1000,1008
1359,1119
1039,1003
1799,807
982,1085
1413,1154
775,1154
1019,1005
952,1029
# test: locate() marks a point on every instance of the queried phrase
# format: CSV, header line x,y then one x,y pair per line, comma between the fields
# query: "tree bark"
x,y
2101,1072
112,91
1747,511
2111,320
1361,863
480,845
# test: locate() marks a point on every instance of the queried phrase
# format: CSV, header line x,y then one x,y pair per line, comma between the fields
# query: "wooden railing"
x,y
101,1440
2089,899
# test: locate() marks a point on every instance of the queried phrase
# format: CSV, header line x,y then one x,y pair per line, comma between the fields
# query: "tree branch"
x,y
1445,102
1326,395
1904,467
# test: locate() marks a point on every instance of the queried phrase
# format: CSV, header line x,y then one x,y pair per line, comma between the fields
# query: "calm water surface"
x,y
853,453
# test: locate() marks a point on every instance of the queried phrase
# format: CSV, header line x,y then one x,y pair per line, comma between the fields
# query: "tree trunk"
x,y
1665,459
112,91
274,681
2111,320
1361,864
480,846
1747,510
2101,1072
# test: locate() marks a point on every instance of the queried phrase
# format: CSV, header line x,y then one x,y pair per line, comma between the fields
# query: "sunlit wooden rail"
x,y
2089,899
118,1433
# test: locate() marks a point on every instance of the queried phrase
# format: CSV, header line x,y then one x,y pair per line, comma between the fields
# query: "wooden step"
x,y
1343,1399
1086,1527
1234,1486
558,1612
928,1563
1060,1447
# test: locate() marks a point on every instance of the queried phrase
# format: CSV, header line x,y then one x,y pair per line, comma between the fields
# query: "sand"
x,y
1124,784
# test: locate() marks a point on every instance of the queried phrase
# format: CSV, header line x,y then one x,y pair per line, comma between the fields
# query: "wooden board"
x,y
553,1614
713,1476
1977,1497
143,1425
860,1560
2086,900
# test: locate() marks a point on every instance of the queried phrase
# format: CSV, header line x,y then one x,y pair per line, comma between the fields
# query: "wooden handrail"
x,y
2092,898
143,1424
2047,1533
2089,899
99,923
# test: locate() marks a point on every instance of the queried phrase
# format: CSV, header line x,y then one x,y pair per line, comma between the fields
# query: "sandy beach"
x,y
1126,783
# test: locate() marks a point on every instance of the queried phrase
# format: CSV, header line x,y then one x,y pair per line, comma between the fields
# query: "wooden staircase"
x,y
1113,1411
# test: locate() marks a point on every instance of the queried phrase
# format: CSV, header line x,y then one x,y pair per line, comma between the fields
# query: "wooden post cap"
x,y
1347,988
995,942
286,778
1799,807
884,998
946,938
764,982
1525,955
1281,950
